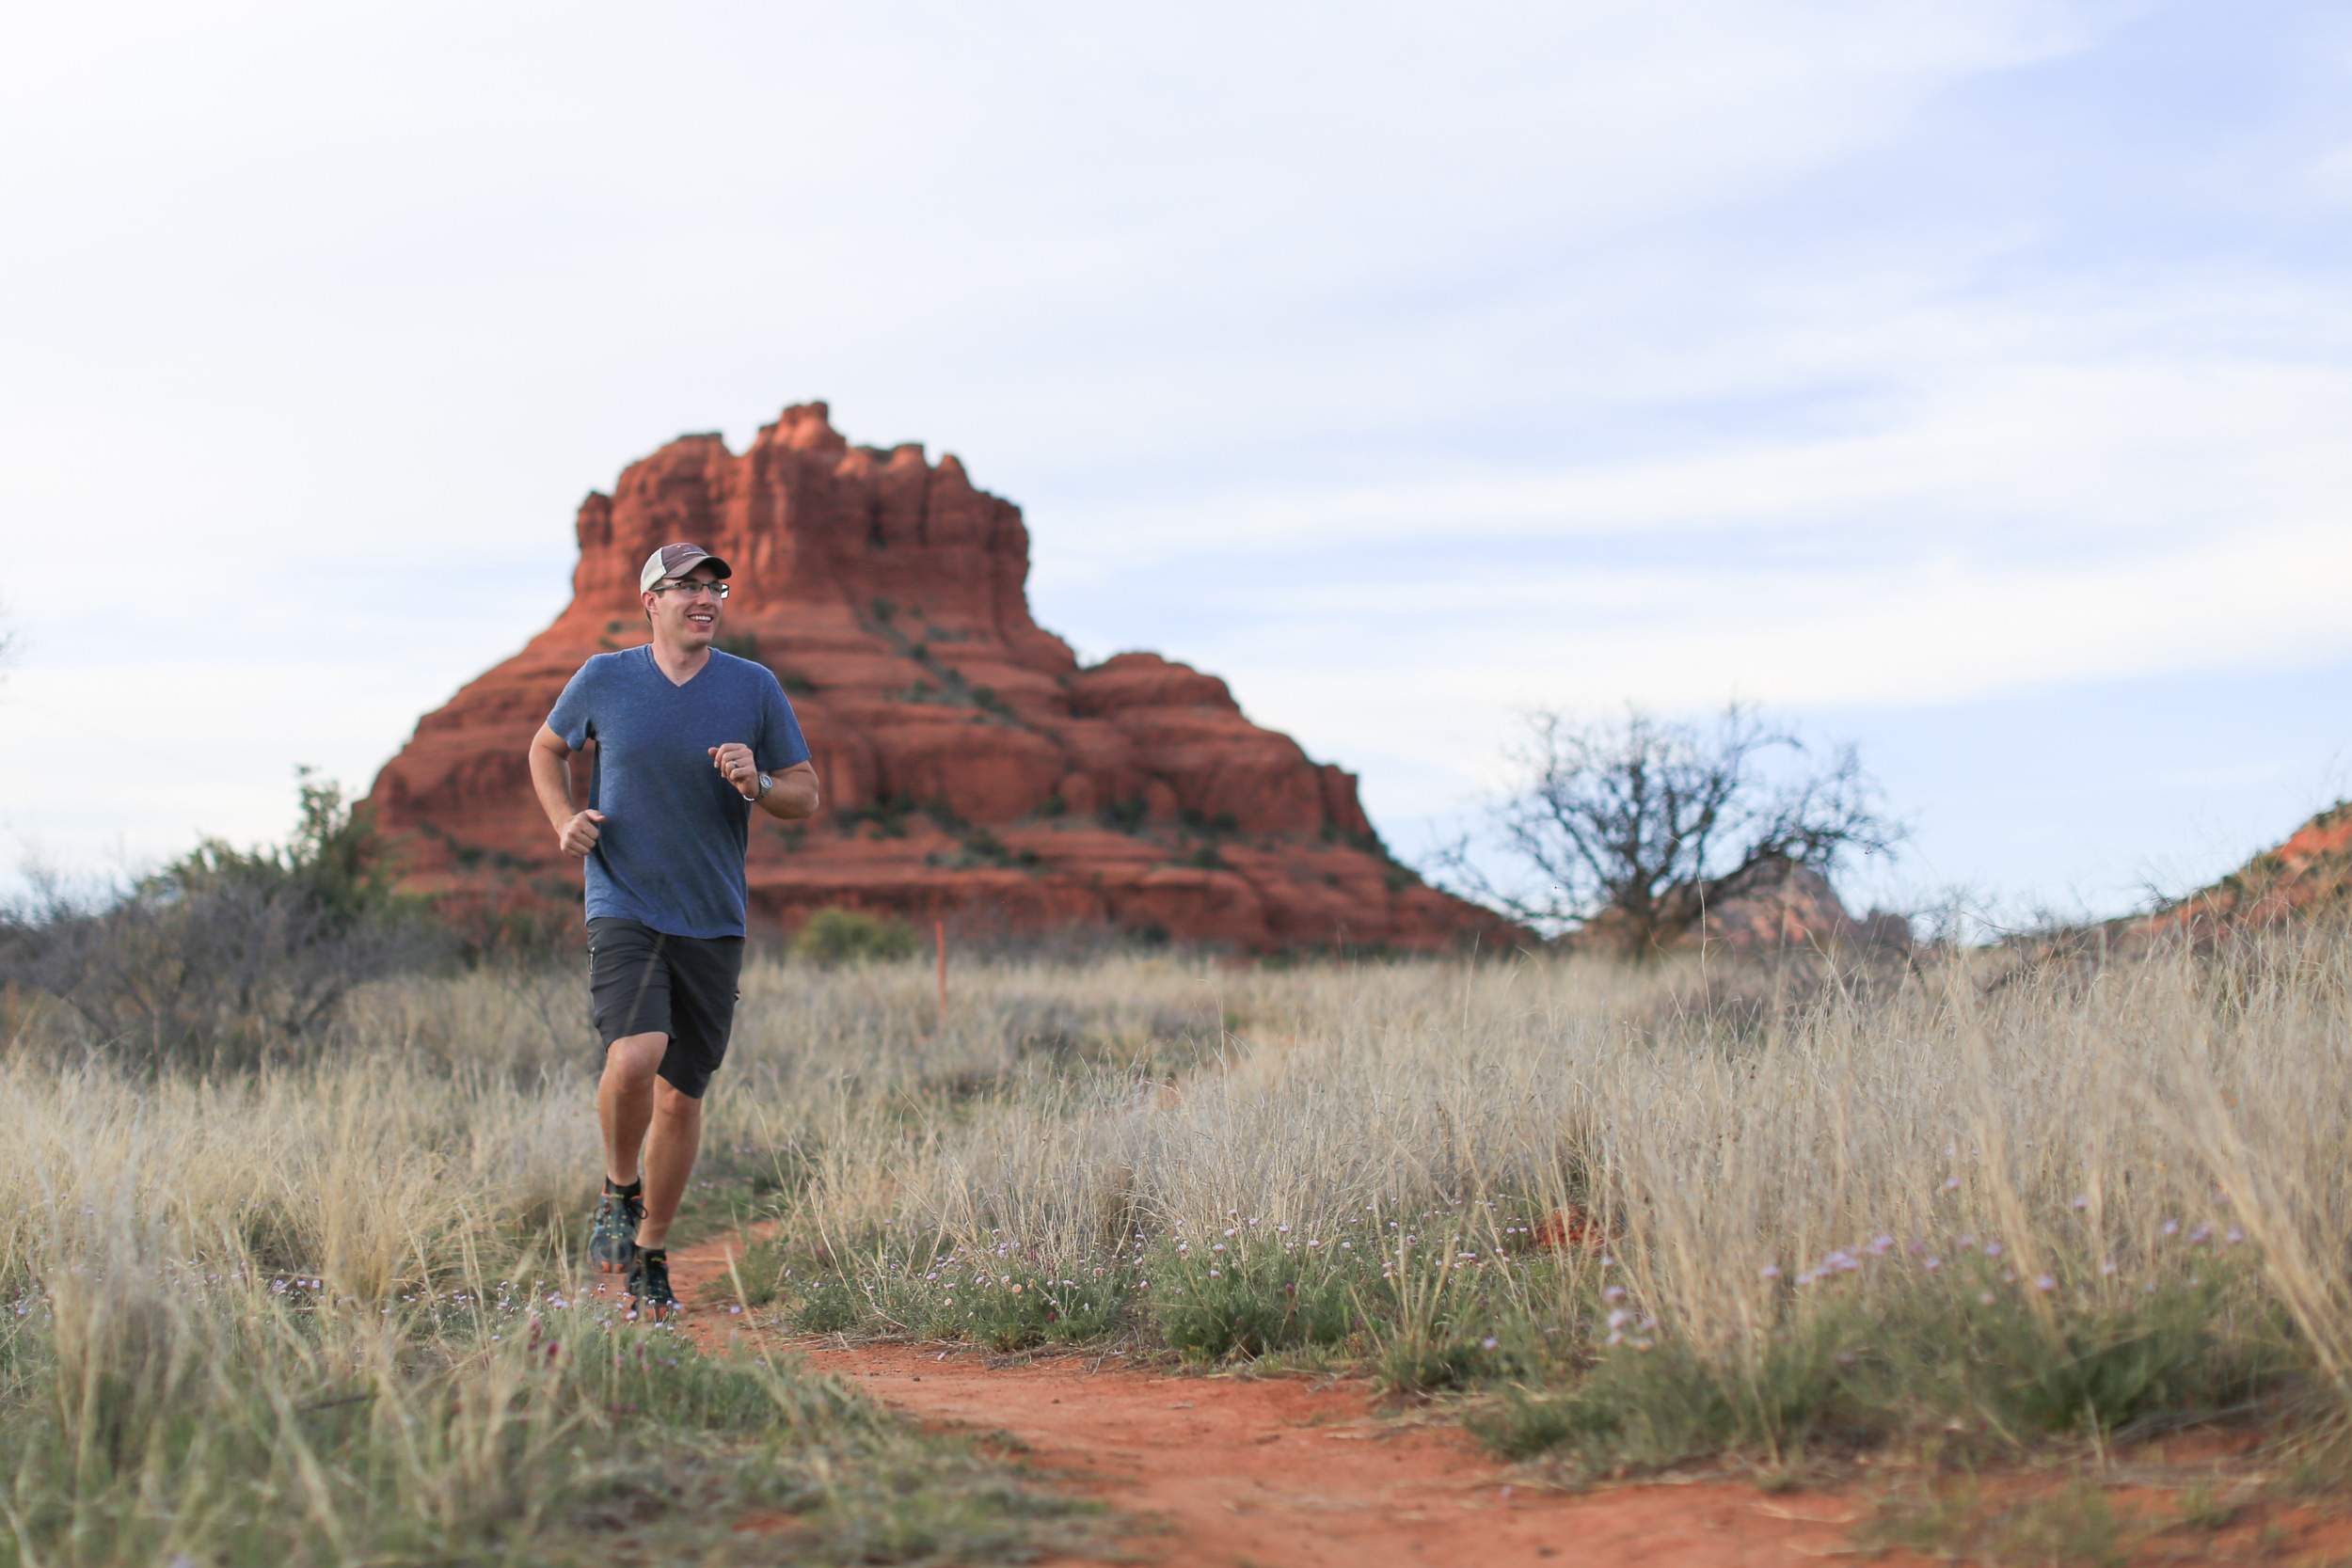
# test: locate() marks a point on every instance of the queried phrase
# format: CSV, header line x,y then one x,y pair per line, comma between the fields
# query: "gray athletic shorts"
x,y
648,982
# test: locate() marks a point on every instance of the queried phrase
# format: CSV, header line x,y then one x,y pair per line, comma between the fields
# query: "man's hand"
x,y
735,763
578,835
552,778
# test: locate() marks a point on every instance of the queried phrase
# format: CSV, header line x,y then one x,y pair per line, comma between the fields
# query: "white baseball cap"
x,y
676,560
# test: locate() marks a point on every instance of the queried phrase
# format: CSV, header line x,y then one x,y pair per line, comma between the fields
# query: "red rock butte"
x,y
971,767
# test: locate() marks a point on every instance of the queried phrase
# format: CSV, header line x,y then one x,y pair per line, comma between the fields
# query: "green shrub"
x,y
229,958
828,1306
1646,1407
839,936
1031,1307
1004,1296
2010,1359
2072,1525
1249,1296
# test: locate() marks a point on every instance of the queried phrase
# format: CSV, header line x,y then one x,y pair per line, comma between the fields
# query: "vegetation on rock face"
x,y
2311,874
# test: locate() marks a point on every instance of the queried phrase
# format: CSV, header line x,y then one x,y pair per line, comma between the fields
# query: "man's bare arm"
x,y
795,793
552,778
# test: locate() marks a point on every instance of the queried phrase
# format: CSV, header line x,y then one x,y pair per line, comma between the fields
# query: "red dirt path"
x,y
1299,1473
1293,1473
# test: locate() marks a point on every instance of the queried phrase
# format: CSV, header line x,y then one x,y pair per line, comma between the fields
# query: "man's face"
x,y
684,610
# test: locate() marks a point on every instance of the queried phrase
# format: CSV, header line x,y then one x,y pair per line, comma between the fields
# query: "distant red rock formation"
x,y
1799,909
2310,872
1795,909
969,763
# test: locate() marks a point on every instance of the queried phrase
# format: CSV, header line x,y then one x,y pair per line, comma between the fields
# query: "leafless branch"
x,y
1639,825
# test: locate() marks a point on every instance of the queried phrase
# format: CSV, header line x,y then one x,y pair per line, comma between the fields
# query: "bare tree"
x,y
1628,832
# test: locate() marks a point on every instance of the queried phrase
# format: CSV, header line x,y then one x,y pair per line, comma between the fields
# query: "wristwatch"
x,y
766,784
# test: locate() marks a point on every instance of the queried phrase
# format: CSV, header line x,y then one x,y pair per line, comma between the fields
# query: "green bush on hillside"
x,y
837,936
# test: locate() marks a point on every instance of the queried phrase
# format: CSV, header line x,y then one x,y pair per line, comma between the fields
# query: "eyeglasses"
x,y
689,588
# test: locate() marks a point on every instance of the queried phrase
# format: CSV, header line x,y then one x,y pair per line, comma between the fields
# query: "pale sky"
x,y
1971,381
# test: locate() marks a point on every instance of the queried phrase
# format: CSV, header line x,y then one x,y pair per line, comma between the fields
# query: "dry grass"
x,y
2156,1148
2022,1195
326,1314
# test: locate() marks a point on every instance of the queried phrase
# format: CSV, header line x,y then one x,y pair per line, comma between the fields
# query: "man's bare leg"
x,y
677,1131
625,1101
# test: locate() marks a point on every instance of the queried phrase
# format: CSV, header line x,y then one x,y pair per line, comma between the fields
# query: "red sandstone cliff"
x,y
969,763
2310,873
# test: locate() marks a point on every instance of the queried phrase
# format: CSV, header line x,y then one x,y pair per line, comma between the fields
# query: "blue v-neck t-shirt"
x,y
670,851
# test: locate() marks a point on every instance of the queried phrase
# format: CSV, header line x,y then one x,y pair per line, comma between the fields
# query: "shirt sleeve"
x,y
781,744
573,720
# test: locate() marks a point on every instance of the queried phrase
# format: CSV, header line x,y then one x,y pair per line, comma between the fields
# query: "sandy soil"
x,y
1300,1473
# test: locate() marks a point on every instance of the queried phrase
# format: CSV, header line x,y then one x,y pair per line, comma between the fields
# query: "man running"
x,y
687,740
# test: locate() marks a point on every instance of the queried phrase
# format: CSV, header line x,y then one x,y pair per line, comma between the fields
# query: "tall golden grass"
x,y
329,1313
1719,1119
1750,1139
1730,1127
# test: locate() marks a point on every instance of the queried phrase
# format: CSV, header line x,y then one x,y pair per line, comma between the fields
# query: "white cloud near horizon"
x,y
1853,357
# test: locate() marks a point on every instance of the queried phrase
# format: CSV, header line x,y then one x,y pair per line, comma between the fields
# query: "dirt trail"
x,y
1294,1473
1288,1473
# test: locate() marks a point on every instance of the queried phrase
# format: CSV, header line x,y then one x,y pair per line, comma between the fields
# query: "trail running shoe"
x,y
649,1283
612,1245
